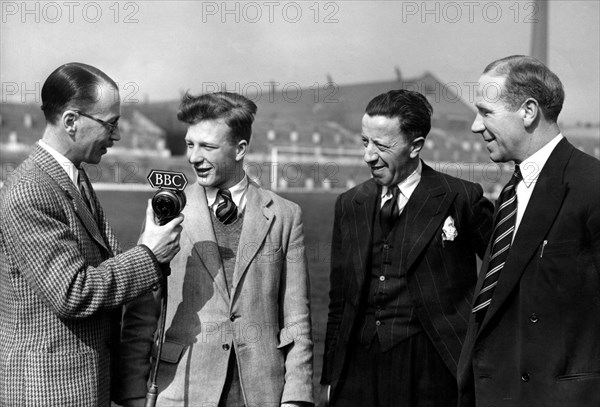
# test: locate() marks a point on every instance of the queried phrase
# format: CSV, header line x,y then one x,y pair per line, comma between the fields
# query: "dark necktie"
x,y
86,193
389,211
503,233
227,210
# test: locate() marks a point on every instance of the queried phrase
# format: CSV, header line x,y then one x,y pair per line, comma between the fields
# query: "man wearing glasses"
x,y
63,276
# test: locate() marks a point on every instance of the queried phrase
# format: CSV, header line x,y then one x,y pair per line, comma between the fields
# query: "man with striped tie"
x,y
238,327
534,335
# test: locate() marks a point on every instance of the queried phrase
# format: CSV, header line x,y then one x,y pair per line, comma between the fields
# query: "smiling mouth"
x,y
202,172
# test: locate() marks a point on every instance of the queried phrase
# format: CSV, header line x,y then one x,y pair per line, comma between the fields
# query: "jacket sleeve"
x,y
52,252
140,321
481,213
296,336
336,295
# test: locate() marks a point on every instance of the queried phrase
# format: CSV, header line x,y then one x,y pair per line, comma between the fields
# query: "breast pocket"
x,y
270,253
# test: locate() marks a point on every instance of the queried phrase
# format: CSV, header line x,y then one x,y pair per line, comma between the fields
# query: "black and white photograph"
x,y
306,203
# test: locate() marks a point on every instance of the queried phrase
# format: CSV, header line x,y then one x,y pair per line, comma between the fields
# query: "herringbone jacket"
x,y
62,280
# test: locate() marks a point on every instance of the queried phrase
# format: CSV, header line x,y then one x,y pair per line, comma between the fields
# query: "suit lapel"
x,y
363,212
198,230
542,209
59,176
425,210
258,217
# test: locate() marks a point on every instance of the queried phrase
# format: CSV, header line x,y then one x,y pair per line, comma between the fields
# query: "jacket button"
x,y
386,246
225,346
534,318
525,377
378,323
233,317
155,287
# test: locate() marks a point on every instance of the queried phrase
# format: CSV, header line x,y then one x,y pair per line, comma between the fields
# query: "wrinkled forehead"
x,y
490,88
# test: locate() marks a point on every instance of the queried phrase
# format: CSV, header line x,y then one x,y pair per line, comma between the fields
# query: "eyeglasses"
x,y
112,127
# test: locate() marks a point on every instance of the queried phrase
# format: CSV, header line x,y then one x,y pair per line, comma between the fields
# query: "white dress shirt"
x,y
530,170
238,194
407,187
64,162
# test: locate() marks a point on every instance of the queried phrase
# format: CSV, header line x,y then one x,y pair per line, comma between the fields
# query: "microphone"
x,y
169,200
167,203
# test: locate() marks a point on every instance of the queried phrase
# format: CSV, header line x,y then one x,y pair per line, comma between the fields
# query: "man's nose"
x,y
195,156
116,134
477,126
370,155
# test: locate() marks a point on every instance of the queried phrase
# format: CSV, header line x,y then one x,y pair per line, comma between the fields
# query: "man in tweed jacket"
x,y
62,273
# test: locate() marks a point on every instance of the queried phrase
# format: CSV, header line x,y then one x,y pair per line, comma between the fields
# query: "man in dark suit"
x,y
403,267
534,335
62,273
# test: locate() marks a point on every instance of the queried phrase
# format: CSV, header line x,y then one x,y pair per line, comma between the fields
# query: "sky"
x,y
155,50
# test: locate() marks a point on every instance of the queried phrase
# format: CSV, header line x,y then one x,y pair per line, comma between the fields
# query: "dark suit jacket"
x,y
539,343
440,275
61,275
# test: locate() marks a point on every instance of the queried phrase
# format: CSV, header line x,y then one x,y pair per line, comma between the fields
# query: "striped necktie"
x,y
227,210
86,194
389,211
503,233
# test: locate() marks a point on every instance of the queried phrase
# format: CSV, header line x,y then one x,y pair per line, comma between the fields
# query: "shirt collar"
x,y
532,166
238,193
63,161
409,184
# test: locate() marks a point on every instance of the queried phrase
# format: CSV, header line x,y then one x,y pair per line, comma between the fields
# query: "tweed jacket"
x,y
62,280
264,316
538,344
440,274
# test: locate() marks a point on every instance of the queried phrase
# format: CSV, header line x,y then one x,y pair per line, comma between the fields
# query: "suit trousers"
x,y
411,374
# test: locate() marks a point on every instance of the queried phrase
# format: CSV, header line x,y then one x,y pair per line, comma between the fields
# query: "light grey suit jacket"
x,y
264,316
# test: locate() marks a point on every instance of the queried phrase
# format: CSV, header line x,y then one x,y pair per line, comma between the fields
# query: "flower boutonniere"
x,y
448,230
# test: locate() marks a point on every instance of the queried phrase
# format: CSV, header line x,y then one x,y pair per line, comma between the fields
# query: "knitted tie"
x,y
227,210
389,211
86,194
503,233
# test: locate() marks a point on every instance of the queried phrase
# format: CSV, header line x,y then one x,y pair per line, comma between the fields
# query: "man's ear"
x,y
530,111
69,122
415,146
241,150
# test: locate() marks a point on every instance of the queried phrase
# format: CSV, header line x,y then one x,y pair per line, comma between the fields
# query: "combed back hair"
x,y
72,85
236,110
411,108
526,77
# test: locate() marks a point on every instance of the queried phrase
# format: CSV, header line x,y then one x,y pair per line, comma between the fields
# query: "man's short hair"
x,y
526,77
74,85
236,110
411,108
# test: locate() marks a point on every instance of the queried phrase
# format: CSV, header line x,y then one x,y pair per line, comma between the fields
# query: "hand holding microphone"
x,y
162,240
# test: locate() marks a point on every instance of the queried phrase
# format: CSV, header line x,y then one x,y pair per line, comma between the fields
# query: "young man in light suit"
x,y
63,276
403,268
534,335
238,327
